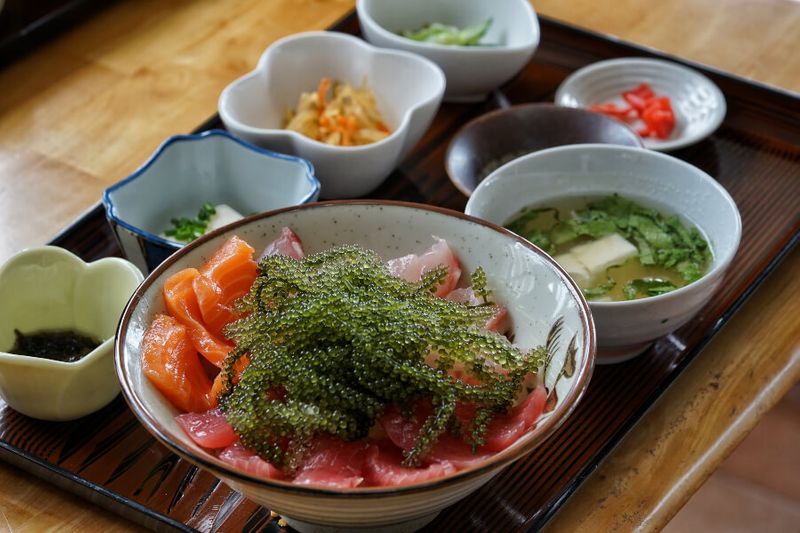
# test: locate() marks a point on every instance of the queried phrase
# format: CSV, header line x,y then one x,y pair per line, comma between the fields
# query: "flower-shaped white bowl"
x,y
698,104
472,71
407,88
536,291
624,329
188,170
48,288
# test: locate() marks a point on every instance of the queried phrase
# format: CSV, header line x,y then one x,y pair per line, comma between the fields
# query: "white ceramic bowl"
x,y
698,104
188,170
624,329
536,291
48,288
472,71
407,88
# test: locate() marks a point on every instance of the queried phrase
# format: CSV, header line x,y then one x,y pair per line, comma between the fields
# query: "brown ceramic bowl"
x,y
493,139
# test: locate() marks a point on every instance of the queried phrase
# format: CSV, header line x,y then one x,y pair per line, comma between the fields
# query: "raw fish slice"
x,y
219,382
411,267
171,363
499,322
334,463
241,458
181,302
287,244
383,468
209,429
224,278
505,429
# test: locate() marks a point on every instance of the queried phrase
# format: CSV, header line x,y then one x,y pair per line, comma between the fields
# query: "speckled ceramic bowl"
x,y
537,292
49,288
627,328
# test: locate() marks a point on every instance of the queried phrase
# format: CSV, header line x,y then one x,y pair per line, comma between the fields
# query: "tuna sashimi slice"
x,y
334,463
225,277
181,303
209,429
505,429
383,467
287,244
171,363
499,321
448,448
412,267
241,458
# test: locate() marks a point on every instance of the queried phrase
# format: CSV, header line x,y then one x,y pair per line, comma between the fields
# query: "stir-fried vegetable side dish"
x,y
340,369
444,34
616,249
350,118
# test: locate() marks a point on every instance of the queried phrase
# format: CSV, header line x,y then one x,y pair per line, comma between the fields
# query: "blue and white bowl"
x,y
188,170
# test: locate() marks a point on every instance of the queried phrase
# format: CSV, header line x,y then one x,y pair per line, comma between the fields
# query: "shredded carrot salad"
x,y
349,118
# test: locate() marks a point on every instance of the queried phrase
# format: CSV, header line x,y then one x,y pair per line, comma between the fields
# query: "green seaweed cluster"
x,y
334,338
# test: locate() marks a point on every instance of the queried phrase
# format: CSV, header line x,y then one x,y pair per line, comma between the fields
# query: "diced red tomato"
x,y
171,363
287,244
241,458
209,429
412,267
332,462
383,467
181,302
655,112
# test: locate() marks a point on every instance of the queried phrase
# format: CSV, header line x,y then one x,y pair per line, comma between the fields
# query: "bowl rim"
x,y
111,208
532,37
495,114
397,134
106,344
720,263
628,63
504,457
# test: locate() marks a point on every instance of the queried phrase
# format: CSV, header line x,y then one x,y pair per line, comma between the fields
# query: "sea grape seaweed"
x,y
334,338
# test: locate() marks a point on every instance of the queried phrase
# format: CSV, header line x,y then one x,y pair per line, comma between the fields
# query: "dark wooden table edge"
x,y
143,515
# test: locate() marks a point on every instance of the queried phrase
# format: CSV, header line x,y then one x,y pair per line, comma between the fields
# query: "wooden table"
x,y
84,110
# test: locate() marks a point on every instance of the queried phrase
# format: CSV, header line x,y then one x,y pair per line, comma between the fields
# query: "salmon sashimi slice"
x,y
219,384
412,267
224,278
171,363
181,302
332,462
209,429
243,459
383,467
499,322
287,244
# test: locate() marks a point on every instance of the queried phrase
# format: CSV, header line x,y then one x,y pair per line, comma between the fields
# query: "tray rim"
x,y
118,503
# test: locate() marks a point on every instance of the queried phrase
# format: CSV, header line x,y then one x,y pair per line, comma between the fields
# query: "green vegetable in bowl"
x,y
188,229
615,248
450,35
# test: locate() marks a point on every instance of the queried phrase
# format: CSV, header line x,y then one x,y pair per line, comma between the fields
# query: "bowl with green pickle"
x,y
646,236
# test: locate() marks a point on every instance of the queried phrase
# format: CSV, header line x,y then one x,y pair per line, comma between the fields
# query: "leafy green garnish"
x,y
189,229
443,34
639,288
661,240
334,338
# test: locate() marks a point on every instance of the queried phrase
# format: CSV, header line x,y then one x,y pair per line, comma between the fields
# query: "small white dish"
x,y
188,170
472,71
407,88
540,297
698,104
627,328
48,288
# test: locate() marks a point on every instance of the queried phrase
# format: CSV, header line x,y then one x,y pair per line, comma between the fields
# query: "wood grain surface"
x,y
84,110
